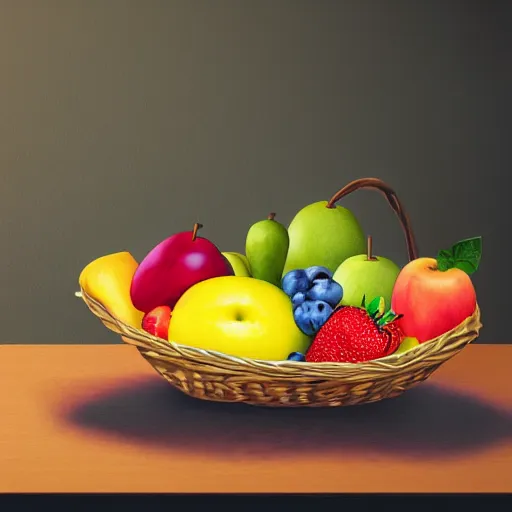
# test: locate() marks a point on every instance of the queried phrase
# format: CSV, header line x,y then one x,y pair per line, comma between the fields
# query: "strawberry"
x,y
355,334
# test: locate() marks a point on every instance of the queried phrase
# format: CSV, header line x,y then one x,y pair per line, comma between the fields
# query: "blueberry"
x,y
317,272
295,281
326,290
296,356
298,299
311,315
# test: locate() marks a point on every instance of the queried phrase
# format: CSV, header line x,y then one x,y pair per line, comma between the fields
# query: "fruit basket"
x,y
216,376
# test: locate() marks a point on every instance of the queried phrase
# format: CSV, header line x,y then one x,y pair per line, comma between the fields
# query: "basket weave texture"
x,y
211,375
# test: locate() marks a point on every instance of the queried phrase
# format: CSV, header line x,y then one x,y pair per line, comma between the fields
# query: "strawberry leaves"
x,y
376,309
389,317
464,255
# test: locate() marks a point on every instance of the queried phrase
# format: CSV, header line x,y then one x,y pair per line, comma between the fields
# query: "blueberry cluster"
x,y
314,296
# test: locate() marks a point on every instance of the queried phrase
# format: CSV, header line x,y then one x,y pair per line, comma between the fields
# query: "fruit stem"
x,y
271,216
197,226
369,255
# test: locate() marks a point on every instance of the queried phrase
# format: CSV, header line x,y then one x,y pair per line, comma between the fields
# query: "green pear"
x,y
239,263
323,236
266,247
366,275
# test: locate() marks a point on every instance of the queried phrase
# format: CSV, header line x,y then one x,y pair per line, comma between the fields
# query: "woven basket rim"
x,y
159,348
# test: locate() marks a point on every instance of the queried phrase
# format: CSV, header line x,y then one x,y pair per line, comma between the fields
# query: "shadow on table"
x,y
426,420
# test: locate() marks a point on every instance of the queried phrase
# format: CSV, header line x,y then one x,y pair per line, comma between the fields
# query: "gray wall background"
x,y
122,122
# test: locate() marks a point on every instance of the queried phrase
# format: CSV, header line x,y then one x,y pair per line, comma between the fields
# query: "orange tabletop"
x,y
100,419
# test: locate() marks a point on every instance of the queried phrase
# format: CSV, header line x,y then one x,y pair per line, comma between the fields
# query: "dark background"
x,y
122,122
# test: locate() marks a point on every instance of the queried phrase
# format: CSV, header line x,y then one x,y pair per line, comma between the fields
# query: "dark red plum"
x,y
173,266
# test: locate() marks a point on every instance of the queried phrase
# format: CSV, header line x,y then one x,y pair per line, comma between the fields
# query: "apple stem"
x,y
197,226
271,216
369,255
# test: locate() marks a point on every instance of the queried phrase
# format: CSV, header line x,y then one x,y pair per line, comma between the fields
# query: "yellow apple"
x,y
407,344
239,316
239,262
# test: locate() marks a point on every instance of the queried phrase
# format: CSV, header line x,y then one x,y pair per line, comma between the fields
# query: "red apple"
x,y
156,322
436,295
173,266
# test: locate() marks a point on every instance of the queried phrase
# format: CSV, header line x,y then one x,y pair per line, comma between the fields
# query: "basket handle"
x,y
394,202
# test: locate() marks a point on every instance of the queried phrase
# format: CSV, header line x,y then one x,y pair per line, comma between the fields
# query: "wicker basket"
x,y
210,375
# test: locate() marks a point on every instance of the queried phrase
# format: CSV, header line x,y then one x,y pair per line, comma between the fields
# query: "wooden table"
x,y
100,419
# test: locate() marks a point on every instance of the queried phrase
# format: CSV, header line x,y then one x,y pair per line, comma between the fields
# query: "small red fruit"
x,y
156,321
355,334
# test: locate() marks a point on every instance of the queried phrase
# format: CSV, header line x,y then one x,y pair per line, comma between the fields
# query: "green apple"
x,y
239,263
365,275
239,316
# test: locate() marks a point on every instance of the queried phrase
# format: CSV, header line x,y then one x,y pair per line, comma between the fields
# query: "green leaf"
x,y
467,254
445,260
446,254
388,317
376,307
464,255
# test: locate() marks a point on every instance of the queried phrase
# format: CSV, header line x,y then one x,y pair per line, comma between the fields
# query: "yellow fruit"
x,y
239,316
407,344
108,280
239,262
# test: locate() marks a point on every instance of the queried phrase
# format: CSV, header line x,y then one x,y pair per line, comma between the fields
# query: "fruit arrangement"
x,y
307,316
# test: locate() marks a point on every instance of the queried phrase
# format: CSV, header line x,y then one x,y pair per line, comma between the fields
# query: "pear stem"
x,y
197,226
369,255
271,216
